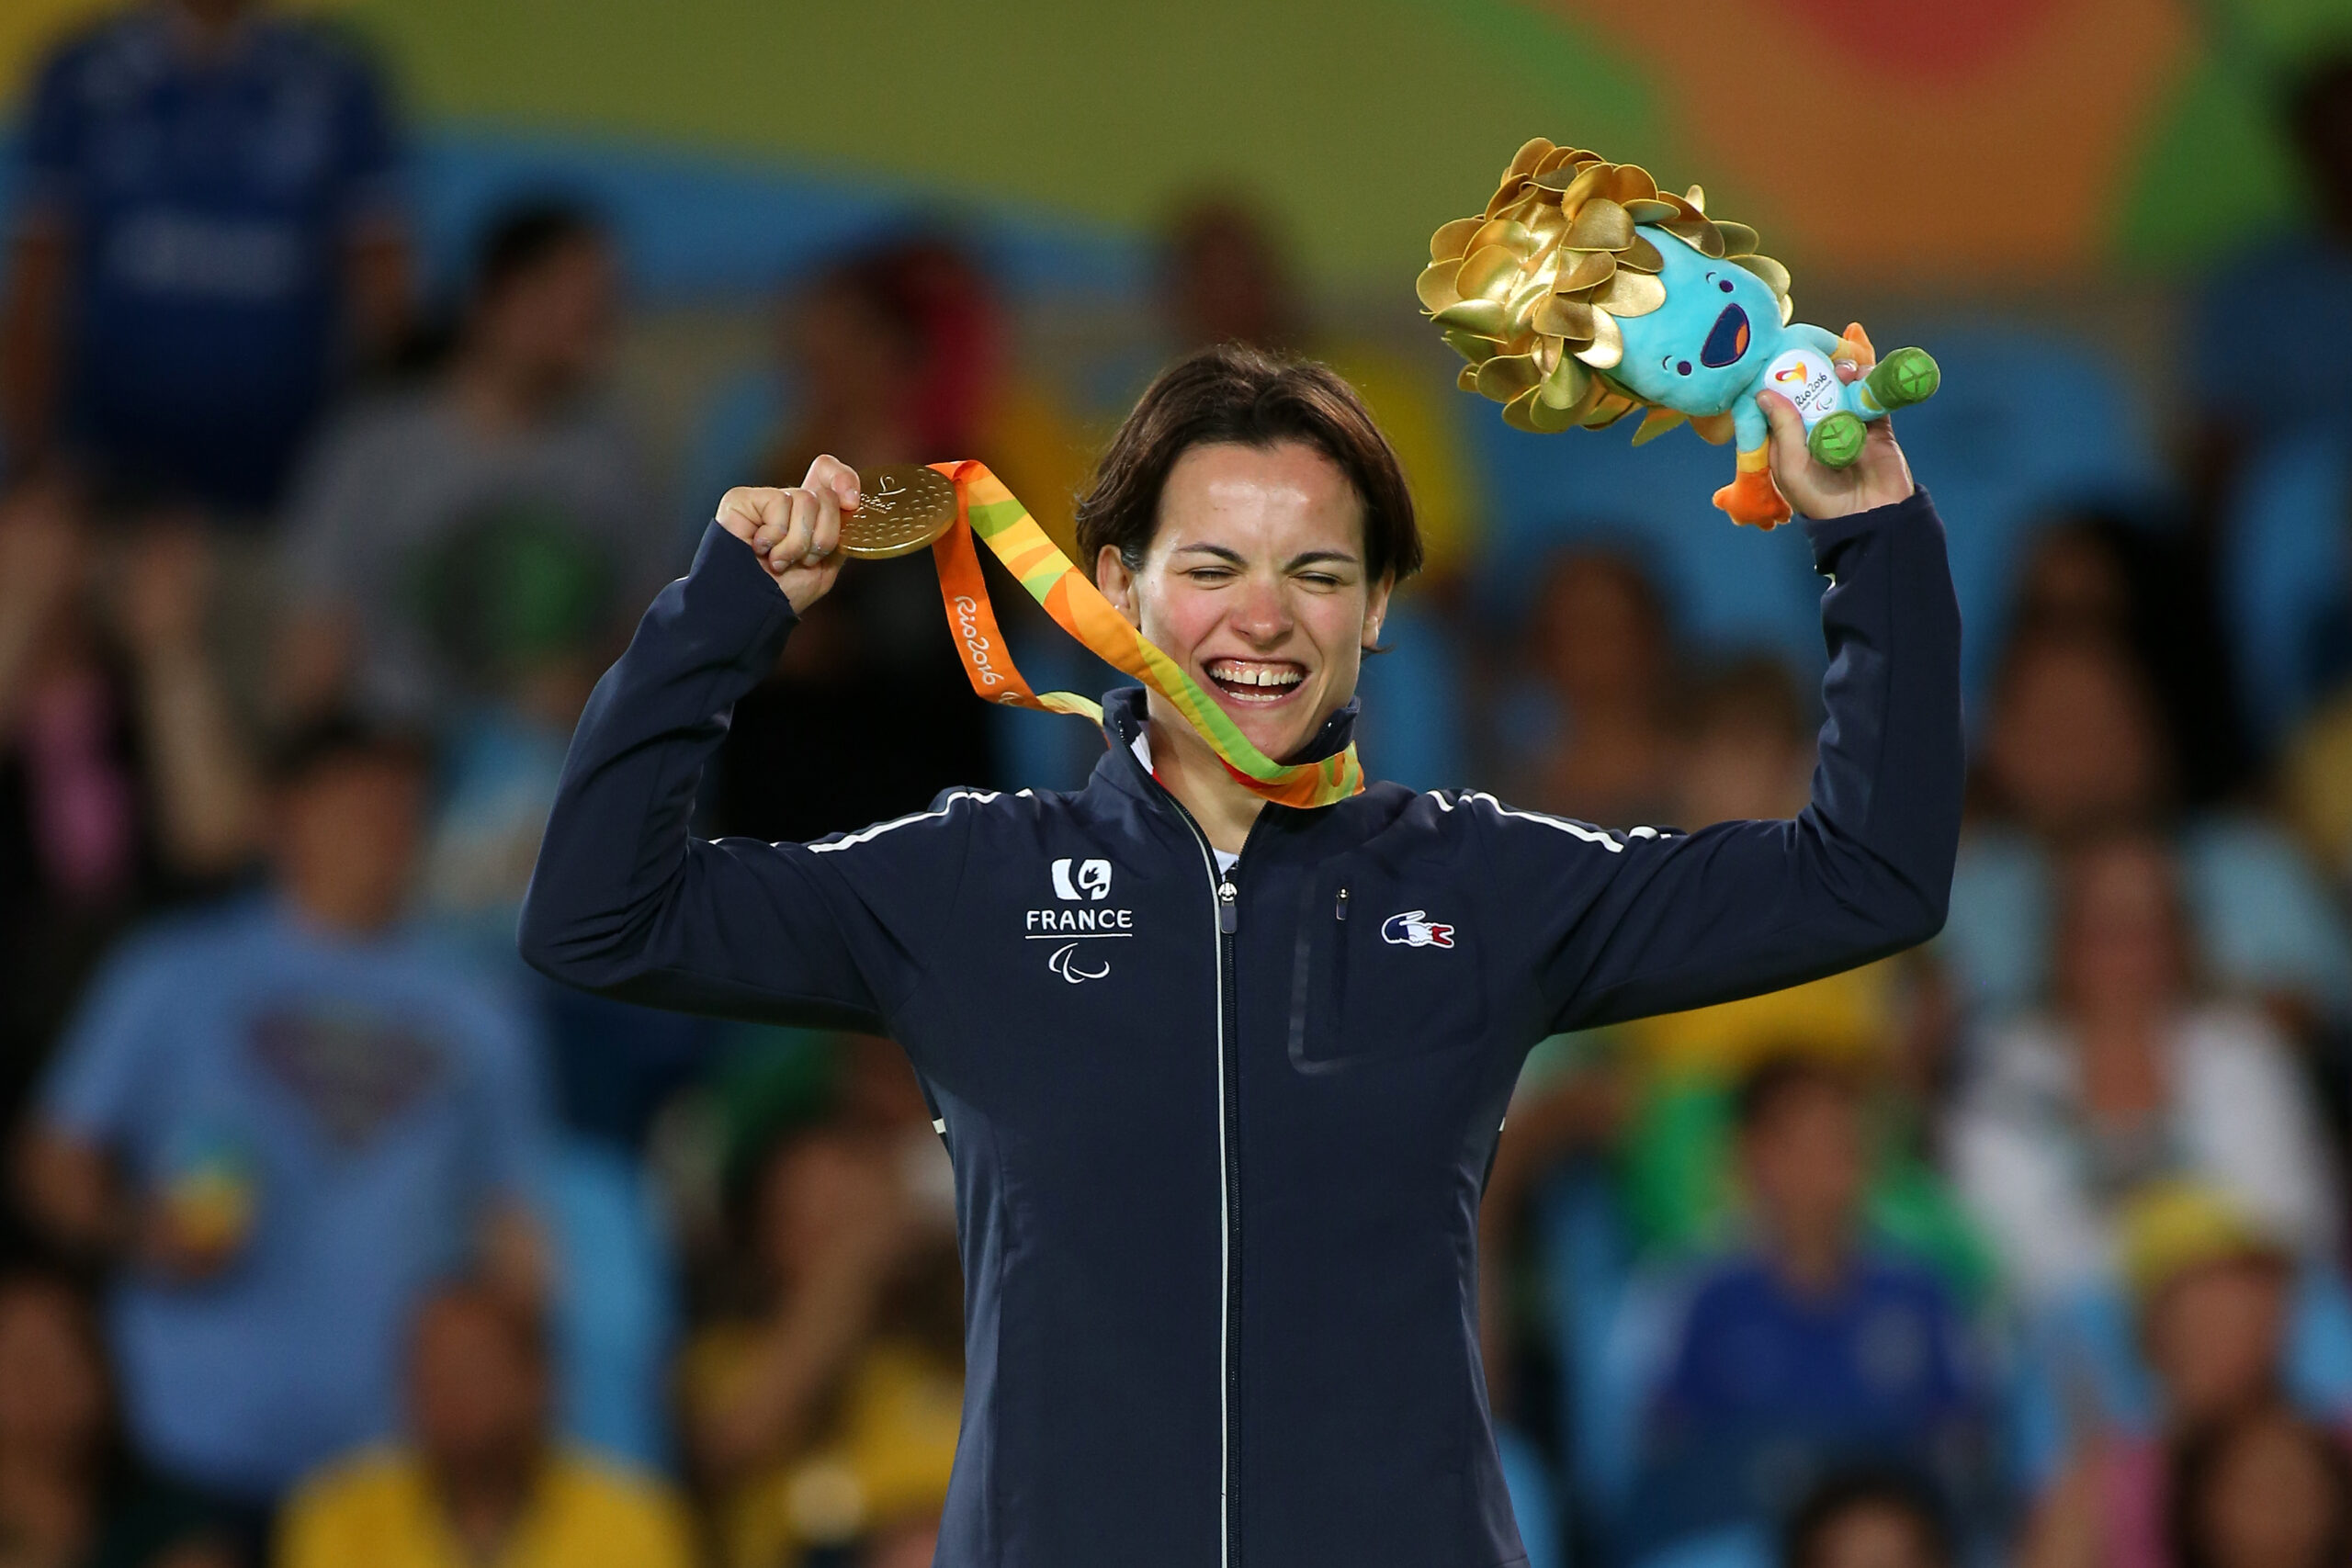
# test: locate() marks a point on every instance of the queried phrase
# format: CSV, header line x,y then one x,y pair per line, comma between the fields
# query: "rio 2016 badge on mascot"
x,y
1583,292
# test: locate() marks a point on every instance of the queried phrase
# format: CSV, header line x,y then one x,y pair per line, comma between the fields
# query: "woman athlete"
x,y
1222,1079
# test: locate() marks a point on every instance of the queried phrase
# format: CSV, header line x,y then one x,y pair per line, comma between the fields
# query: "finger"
x,y
827,531
744,509
774,526
830,475
801,520
1786,427
1849,369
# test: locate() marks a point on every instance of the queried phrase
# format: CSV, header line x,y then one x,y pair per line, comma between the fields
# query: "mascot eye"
x,y
1724,285
1682,367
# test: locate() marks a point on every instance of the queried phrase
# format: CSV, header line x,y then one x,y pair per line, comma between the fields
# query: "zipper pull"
x,y
1228,910
1340,907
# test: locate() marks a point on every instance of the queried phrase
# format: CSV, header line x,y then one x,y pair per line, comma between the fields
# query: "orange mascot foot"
x,y
1754,500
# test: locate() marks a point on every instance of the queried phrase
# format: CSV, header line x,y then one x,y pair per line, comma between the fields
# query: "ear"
x,y
1375,608
1118,584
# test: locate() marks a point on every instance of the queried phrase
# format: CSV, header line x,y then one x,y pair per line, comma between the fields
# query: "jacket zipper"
x,y
1226,896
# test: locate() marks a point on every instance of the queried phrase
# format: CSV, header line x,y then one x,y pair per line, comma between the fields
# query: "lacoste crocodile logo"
x,y
1415,929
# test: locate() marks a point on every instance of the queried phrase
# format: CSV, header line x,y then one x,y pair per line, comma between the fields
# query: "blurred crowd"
x,y
333,1236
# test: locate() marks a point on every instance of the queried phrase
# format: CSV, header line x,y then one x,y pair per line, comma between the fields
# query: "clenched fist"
x,y
794,531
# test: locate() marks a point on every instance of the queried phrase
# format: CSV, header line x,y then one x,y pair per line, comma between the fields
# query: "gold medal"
x,y
900,509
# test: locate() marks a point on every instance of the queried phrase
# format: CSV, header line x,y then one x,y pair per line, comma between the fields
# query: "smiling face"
x,y
1699,350
1254,581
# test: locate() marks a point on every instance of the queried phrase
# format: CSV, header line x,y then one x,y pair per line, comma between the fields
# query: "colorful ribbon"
x,y
983,506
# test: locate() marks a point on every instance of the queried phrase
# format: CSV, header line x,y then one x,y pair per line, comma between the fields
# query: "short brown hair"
x,y
1241,396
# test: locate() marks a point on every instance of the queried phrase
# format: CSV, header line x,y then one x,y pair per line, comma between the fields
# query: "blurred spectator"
x,y
2316,771
535,617
2134,1077
70,1495
287,1117
438,536
1812,1348
1872,1517
869,714
2106,573
1600,648
1745,746
2304,281
2267,1490
122,783
480,1479
2315,777
970,395
2211,1285
831,1416
2073,746
208,241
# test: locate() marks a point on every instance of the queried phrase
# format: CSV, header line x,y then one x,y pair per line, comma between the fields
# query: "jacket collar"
x,y
1124,718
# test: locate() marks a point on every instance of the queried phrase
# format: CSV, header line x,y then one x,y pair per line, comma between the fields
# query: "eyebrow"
x,y
1234,558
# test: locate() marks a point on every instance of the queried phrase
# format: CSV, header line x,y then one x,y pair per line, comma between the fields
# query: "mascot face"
x,y
1701,349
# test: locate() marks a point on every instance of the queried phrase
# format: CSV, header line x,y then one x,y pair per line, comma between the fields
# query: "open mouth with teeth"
x,y
1257,682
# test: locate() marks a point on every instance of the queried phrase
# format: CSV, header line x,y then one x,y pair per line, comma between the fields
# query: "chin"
x,y
1279,736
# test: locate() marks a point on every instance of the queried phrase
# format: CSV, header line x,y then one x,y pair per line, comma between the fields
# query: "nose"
x,y
1262,614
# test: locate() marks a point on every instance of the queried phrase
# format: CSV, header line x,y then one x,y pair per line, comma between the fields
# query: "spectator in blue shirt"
x,y
207,236
1810,1348
287,1119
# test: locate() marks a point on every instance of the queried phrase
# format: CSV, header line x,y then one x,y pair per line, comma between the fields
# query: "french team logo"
x,y
1415,929
1092,881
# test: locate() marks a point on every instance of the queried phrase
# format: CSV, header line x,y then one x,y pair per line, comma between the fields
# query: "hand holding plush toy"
x,y
1585,292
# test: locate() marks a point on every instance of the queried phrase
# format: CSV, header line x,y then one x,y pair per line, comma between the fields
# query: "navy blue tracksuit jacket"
x,y
1219,1138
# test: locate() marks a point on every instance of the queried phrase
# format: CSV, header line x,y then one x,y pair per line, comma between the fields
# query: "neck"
x,y
207,30
1196,776
485,1499
338,915
500,397
1811,1258
2123,1063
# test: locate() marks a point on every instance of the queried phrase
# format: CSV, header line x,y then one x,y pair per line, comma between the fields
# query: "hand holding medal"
x,y
805,533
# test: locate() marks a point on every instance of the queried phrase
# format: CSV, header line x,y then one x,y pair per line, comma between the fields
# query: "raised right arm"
x,y
627,902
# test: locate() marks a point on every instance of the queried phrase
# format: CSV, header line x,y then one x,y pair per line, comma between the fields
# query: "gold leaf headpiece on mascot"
x,y
1529,290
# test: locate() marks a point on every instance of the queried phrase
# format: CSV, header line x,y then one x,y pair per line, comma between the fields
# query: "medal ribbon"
x,y
984,507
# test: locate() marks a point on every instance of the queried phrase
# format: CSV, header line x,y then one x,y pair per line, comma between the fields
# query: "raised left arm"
x,y
1865,870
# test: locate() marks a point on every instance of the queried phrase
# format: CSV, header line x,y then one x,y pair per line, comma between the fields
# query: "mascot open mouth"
x,y
1727,340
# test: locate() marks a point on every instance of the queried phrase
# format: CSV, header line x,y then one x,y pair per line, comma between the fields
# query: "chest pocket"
x,y
1379,975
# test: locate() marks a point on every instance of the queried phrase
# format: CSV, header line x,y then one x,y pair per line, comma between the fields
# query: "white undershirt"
x,y
1224,861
